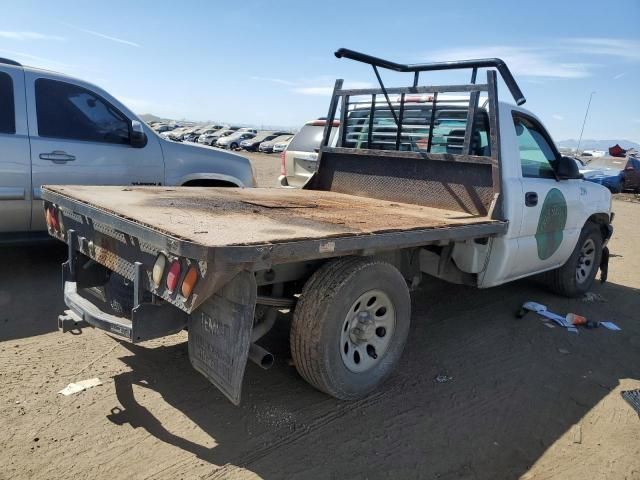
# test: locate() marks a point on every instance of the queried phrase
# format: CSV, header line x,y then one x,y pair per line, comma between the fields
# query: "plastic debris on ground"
x,y
610,325
570,321
80,386
543,312
593,297
442,378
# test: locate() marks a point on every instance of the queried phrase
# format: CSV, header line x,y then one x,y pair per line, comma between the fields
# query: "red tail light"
x,y
283,164
173,276
53,219
47,217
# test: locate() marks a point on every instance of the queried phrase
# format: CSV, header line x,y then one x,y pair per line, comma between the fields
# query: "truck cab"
x,y
57,129
545,200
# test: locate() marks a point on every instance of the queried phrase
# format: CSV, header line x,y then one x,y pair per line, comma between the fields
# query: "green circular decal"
x,y
553,218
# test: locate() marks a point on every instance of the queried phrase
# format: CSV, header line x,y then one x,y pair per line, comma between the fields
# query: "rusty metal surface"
x,y
215,217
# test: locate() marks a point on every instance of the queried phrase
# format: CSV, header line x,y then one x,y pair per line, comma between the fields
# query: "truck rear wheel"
x,y
350,326
576,276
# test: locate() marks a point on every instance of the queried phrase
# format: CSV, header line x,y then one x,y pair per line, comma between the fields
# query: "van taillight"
x,y
283,164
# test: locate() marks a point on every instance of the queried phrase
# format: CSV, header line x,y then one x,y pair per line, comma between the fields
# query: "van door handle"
x,y
57,156
531,199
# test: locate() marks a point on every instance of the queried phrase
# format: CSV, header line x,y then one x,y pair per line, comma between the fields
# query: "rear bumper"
x,y
145,321
82,311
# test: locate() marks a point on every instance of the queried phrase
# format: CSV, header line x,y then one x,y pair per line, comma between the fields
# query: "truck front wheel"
x,y
350,326
576,276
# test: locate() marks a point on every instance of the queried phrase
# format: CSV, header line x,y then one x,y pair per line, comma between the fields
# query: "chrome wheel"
x,y
367,331
586,261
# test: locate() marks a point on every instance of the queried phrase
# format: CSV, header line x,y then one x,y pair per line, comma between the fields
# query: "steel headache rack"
x,y
417,136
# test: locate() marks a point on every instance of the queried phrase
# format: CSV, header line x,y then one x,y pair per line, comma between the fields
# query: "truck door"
x,y
550,208
78,137
15,168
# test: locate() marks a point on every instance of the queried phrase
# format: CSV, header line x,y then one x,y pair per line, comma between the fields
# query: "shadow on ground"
x,y
516,387
30,287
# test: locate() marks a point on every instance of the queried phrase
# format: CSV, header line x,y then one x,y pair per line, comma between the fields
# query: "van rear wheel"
x,y
350,326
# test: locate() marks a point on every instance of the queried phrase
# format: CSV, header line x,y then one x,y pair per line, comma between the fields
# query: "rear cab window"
x,y
448,131
7,105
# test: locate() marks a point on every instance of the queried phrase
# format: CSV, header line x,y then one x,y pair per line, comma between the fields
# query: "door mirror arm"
x,y
566,169
137,137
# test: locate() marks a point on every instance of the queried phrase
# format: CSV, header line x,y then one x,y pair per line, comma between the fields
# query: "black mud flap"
x,y
220,334
604,265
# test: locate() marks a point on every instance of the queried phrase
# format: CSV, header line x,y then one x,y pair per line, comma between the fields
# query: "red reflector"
x,y
173,276
47,217
283,164
55,225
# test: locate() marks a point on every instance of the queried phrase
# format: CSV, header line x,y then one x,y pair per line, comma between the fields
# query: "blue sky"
x,y
272,62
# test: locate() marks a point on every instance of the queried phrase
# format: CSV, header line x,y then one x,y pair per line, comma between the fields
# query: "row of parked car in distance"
x,y
228,137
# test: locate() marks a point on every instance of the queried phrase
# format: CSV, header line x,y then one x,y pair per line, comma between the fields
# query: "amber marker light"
x,y
189,282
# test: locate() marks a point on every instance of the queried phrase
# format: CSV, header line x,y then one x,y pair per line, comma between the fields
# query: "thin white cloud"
x,y
106,37
617,47
43,62
524,61
557,116
327,90
11,35
564,58
635,120
275,80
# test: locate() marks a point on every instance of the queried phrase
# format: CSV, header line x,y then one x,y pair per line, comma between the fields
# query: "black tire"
x,y
564,280
320,315
233,146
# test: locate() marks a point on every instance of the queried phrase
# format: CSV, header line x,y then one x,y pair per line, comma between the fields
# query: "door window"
x,y
7,107
536,154
72,112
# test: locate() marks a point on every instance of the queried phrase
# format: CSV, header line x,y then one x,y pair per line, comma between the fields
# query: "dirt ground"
x,y
521,401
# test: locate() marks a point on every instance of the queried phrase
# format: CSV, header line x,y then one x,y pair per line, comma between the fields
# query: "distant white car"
x,y
281,146
233,141
212,138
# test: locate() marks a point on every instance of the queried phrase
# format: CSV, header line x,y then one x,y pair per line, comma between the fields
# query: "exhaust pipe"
x,y
260,356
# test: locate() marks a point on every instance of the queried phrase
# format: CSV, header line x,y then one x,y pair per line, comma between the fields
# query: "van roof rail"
x,y
9,62
416,68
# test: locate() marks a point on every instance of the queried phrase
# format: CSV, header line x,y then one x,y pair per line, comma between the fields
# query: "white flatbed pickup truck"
x,y
417,183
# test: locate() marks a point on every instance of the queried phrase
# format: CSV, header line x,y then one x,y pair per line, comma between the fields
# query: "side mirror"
x,y
137,137
567,169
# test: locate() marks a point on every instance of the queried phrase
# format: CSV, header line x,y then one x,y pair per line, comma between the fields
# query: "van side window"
x,y
72,112
7,107
536,155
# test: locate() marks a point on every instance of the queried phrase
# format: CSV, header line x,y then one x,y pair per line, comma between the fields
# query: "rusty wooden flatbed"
x,y
307,224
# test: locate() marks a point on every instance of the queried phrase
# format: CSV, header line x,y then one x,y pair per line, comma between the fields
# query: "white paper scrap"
x,y
610,325
80,386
